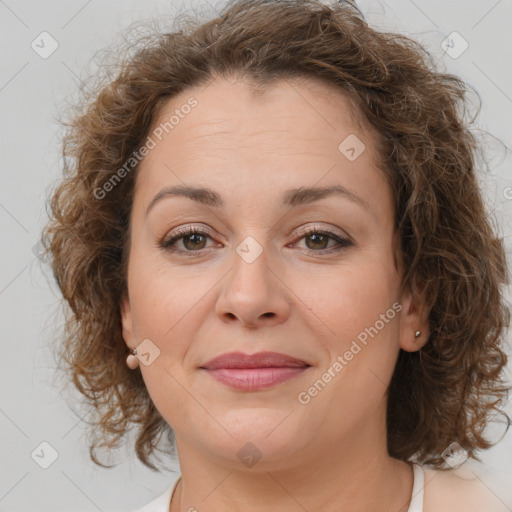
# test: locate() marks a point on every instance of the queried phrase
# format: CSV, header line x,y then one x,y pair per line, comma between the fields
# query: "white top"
x,y
161,503
417,489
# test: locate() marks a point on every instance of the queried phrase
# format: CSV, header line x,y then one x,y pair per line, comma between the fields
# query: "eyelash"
x,y
180,233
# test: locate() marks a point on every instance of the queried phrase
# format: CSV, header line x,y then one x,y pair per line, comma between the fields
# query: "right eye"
x,y
193,239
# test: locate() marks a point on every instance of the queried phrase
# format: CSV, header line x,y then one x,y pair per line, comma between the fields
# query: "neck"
x,y
350,475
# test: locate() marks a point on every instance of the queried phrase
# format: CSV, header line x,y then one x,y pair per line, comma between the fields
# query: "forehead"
x,y
235,138
317,110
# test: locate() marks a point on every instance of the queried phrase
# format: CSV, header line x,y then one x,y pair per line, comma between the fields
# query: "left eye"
x,y
320,239
194,240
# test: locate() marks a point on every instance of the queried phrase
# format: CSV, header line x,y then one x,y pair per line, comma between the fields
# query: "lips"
x,y
254,372
240,360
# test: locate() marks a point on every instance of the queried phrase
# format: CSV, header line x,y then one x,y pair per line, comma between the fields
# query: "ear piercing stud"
x,y
131,361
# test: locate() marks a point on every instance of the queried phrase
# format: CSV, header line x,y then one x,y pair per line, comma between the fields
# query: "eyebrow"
x,y
293,197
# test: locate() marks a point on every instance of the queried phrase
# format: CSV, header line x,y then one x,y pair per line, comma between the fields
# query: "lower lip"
x,y
252,379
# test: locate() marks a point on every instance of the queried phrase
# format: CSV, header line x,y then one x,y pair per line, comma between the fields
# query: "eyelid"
x,y
341,238
183,231
305,230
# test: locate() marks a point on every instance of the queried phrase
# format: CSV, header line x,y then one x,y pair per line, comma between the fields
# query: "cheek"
x,y
151,297
363,314
169,302
359,315
165,305
349,299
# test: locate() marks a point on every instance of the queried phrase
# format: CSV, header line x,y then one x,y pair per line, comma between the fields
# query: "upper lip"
x,y
258,360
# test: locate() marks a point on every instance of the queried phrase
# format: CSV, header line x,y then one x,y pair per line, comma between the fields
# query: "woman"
x,y
276,254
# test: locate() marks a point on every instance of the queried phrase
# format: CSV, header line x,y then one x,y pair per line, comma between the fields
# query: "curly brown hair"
x,y
450,254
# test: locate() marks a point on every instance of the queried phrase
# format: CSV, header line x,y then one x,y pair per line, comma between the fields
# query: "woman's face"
x,y
278,265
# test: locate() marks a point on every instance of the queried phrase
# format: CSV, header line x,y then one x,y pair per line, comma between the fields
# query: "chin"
x,y
272,436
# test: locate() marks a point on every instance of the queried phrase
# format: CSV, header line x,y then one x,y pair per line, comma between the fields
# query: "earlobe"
x,y
414,325
126,321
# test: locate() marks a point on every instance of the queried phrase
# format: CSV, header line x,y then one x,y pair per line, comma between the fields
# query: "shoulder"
x,y
460,490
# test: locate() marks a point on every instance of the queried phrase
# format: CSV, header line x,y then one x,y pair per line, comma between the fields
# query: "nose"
x,y
254,293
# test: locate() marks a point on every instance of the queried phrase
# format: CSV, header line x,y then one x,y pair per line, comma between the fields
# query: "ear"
x,y
127,322
413,318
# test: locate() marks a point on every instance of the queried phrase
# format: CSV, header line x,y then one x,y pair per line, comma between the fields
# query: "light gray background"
x,y
32,90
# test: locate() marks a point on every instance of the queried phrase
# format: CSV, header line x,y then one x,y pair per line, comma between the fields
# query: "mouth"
x,y
252,372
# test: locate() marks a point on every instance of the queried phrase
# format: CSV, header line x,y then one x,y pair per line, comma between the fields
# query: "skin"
x,y
298,297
